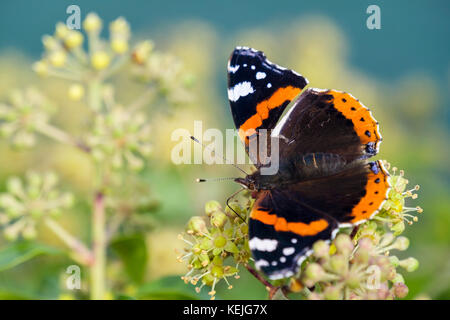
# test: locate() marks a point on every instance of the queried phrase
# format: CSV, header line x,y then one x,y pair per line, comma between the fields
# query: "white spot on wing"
x,y
233,69
269,85
261,263
240,90
288,251
260,75
262,244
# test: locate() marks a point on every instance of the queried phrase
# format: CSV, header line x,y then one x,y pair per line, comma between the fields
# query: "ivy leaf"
x,y
132,251
20,252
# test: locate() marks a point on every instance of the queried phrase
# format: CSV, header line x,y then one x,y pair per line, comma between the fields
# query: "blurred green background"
x,y
401,72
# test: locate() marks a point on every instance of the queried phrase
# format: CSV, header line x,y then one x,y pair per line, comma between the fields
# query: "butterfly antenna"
x,y
228,205
212,150
213,179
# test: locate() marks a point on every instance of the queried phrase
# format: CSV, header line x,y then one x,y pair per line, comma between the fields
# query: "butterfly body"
x,y
324,180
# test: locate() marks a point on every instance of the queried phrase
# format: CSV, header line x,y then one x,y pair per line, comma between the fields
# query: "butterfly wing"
x,y
282,231
258,91
328,121
350,196
285,222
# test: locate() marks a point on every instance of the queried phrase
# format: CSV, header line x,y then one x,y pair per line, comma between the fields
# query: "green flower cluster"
x,y
117,136
216,245
25,113
365,271
162,72
394,212
64,55
65,58
356,265
120,134
122,137
26,202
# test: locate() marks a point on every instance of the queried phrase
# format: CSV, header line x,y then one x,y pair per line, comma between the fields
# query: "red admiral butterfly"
x,y
324,181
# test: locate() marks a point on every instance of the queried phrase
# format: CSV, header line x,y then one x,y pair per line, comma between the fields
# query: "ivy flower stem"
x,y
82,254
143,99
95,87
99,248
117,66
61,136
271,288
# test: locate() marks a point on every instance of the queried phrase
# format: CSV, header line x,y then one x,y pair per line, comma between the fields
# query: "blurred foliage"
x,y
409,110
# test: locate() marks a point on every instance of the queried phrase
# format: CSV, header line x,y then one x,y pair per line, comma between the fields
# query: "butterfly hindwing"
x,y
285,222
350,195
259,91
282,231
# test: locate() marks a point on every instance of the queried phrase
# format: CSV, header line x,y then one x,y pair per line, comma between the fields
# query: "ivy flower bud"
x,y
73,39
344,244
142,51
332,293
211,207
100,60
218,219
313,273
398,279
386,240
409,264
41,68
92,23
119,26
50,43
353,279
76,92
400,290
197,225
338,263
401,243
321,249
58,58
61,30
119,45
398,227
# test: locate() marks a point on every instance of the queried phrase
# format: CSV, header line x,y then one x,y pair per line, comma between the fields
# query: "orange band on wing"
x,y
376,193
365,125
280,224
276,100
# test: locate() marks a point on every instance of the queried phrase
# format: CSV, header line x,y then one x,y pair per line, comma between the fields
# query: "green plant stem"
x,y
99,248
143,99
95,86
64,75
270,287
81,253
61,136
